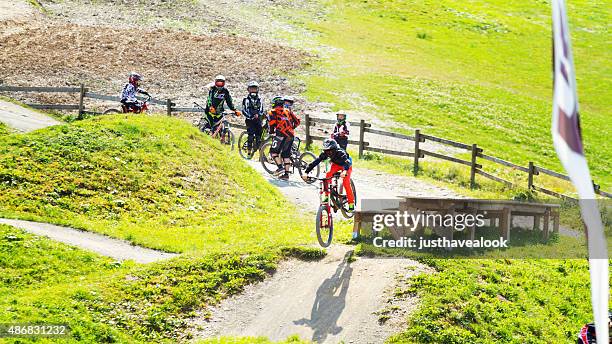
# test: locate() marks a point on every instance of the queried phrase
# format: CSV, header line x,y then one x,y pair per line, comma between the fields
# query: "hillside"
x,y
155,181
477,72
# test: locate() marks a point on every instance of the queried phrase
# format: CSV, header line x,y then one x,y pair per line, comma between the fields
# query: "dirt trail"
x,y
22,119
369,184
14,9
106,246
327,302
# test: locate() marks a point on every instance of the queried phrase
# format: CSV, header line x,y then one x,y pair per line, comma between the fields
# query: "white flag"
x,y
568,144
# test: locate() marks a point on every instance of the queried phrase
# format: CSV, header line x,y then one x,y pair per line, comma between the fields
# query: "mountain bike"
x,y
220,130
124,109
298,161
324,221
243,141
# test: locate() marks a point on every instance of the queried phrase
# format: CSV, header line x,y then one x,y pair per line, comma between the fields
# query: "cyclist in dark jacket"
x,y
340,162
218,96
253,109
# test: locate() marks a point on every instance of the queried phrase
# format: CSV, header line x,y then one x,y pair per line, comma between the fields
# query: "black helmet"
x,y
278,101
330,144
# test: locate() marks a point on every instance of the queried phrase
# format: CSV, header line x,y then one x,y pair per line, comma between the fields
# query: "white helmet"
x,y
219,78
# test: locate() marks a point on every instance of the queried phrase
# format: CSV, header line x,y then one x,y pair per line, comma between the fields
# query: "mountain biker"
x,y
289,101
282,124
128,95
587,332
218,96
253,110
341,130
340,162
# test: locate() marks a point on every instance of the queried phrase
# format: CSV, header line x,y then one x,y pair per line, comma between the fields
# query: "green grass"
x,y
105,301
155,181
4,130
499,301
476,72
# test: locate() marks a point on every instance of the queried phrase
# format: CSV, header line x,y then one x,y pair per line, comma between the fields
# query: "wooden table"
x,y
500,214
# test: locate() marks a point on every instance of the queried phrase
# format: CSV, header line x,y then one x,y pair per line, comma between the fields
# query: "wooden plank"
x,y
449,158
551,173
388,151
546,227
446,142
94,95
493,177
386,133
333,121
552,193
53,106
321,138
505,223
40,89
503,162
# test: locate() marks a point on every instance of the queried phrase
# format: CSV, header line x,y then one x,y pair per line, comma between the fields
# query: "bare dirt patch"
x,y
335,300
14,9
176,65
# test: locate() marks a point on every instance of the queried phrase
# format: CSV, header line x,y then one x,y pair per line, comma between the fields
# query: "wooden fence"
x,y
413,141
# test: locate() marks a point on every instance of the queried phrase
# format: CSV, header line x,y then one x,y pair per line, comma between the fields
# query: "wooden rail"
x,y
415,140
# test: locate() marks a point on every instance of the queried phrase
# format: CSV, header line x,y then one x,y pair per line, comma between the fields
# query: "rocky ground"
x,y
176,65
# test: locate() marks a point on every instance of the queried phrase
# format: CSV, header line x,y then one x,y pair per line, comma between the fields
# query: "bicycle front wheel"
x,y
243,146
306,159
325,226
266,160
228,139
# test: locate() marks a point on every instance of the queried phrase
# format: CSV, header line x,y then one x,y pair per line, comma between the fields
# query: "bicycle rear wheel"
x,y
264,157
344,200
305,159
111,111
325,226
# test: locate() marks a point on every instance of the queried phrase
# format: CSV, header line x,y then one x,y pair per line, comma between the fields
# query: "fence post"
x,y
307,129
473,166
530,178
169,107
81,107
417,152
361,136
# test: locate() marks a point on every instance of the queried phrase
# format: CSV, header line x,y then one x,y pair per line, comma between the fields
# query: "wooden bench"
x,y
499,213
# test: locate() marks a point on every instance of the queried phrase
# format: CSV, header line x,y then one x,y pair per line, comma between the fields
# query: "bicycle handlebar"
x,y
312,179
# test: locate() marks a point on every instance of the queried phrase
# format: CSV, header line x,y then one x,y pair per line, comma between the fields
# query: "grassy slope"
x,y
104,301
477,72
4,130
499,301
154,181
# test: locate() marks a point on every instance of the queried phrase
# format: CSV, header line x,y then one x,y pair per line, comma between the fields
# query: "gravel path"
x,y
106,246
329,301
369,184
14,9
22,119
